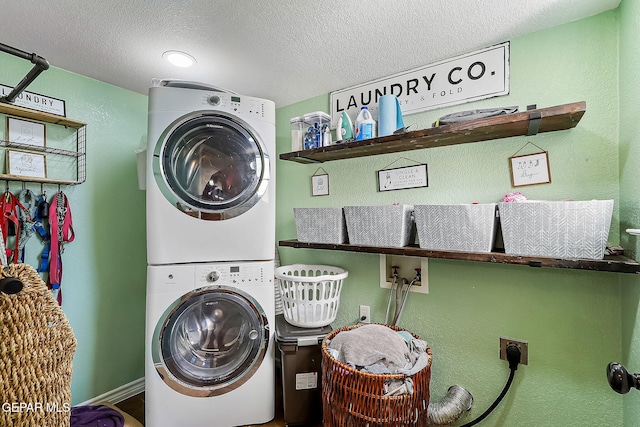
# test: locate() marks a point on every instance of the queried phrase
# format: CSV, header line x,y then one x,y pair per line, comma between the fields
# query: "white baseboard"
x,y
119,394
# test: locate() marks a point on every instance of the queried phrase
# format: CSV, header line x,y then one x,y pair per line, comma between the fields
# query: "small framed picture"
x,y
320,185
21,163
26,132
530,169
402,178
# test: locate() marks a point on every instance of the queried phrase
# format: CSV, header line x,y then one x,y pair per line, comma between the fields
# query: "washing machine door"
x,y
210,341
211,165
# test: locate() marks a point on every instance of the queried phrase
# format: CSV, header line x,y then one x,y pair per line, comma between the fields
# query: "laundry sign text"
x,y
477,75
35,101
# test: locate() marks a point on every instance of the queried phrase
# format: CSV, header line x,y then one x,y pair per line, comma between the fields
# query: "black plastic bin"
x,y
301,360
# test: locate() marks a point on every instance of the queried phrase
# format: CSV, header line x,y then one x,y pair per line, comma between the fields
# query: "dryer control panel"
x,y
240,105
241,274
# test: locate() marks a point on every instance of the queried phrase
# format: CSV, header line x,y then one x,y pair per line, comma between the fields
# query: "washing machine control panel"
x,y
232,274
242,105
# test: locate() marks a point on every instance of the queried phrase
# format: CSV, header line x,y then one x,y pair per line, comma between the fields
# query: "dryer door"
x,y
210,341
211,166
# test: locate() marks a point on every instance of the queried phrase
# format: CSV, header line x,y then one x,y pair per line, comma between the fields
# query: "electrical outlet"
x,y
365,314
524,349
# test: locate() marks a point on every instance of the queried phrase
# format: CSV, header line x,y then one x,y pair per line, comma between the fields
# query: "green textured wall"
x,y
570,318
105,267
629,63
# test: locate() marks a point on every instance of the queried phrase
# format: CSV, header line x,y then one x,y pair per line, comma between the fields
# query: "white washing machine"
x,y
209,356
210,175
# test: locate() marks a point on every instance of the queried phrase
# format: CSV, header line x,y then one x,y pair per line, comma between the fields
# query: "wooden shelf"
x,y
529,122
614,264
551,119
18,178
26,113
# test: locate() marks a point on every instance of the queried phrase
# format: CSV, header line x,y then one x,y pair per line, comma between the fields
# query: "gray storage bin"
x,y
386,225
320,225
463,227
564,229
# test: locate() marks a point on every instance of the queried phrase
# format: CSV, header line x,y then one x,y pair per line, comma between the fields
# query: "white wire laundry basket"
x,y
310,293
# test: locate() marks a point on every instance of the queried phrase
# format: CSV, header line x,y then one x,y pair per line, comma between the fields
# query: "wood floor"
x,y
134,406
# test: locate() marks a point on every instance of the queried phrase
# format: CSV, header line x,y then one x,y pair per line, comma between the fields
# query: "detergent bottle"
x,y
365,125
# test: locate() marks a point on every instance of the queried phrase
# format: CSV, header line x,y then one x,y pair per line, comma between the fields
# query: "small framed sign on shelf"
x,y
26,132
22,163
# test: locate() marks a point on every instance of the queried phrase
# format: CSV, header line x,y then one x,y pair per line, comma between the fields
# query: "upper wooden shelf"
x,y
615,264
528,122
16,110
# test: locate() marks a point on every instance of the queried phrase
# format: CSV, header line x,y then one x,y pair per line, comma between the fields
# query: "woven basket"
x,y
354,398
37,346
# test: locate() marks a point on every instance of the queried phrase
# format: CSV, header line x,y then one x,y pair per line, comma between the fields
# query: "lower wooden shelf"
x,y
613,264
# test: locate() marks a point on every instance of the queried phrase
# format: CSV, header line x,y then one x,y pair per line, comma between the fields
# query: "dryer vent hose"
x,y
451,408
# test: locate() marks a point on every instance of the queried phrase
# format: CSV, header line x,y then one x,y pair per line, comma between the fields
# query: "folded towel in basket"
x,y
369,345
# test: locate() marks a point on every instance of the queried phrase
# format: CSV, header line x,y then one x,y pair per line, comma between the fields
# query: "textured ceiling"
x,y
284,50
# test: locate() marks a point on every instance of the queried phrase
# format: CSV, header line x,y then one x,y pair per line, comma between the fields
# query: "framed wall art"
x,y
320,185
530,169
26,132
22,163
402,178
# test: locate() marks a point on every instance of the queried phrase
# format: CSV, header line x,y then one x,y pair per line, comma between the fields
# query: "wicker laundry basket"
x,y
354,398
37,346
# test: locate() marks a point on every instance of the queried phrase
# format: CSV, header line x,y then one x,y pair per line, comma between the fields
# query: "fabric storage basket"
x,y
387,225
464,227
320,225
310,294
354,398
564,229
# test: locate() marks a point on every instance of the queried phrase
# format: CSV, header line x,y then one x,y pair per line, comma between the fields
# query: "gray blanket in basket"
x,y
370,345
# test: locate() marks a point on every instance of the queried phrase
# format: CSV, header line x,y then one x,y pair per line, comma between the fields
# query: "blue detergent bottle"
x,y
365,125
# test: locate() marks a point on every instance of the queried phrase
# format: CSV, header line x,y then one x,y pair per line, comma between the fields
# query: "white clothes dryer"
x,y
209,354
210,175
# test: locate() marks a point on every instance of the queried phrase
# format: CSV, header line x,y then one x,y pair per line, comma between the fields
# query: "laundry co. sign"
x,y
35,101
465,78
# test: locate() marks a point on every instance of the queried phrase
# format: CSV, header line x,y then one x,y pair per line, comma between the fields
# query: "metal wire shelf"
x,y
79,154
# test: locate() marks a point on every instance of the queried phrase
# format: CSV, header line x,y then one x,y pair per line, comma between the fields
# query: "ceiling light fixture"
x,y
179,59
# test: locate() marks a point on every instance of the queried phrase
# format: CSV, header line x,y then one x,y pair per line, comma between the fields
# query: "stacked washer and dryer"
x,y
209,356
